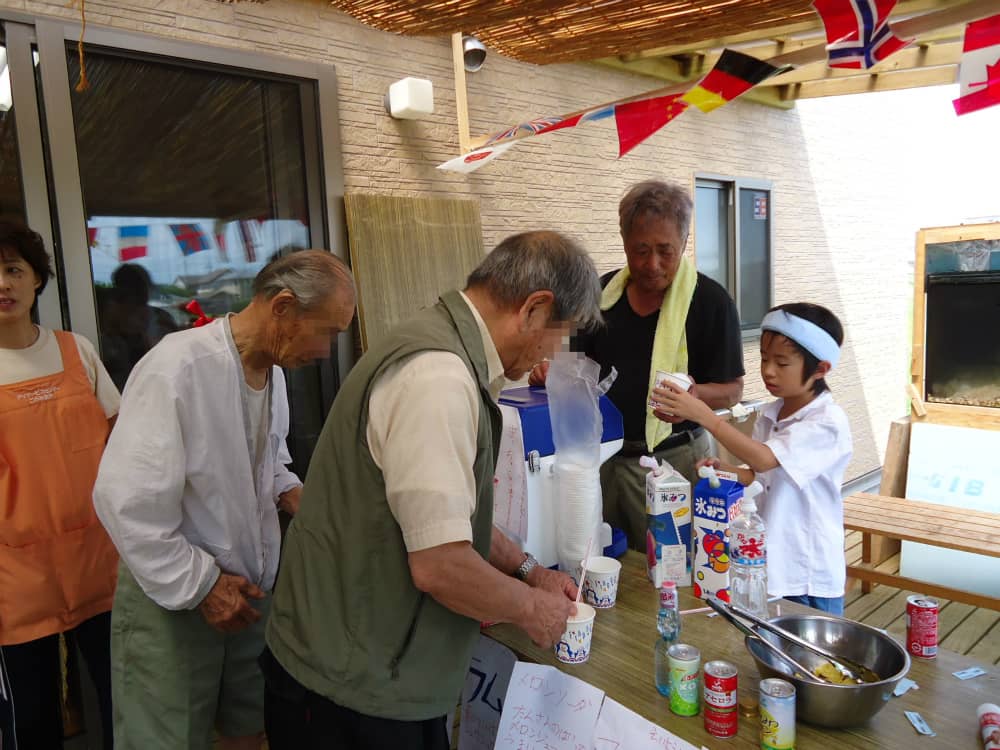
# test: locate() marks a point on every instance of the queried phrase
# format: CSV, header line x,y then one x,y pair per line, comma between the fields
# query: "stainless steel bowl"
x,y
834,705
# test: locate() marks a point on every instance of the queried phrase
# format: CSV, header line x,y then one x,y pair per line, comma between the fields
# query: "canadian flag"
x,y
980,72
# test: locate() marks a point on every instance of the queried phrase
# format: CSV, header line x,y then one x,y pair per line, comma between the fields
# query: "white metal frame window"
x,y
734,233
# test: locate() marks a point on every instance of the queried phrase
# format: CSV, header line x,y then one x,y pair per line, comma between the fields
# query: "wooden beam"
x,y
933,55
815,22
664,68
905,79
931,589
669,69
932,22
927,23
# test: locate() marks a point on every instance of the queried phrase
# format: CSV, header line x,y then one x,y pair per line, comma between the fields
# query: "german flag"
x,y
732,75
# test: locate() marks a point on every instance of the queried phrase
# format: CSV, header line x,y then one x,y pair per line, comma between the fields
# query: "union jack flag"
x,y
857,32
533,127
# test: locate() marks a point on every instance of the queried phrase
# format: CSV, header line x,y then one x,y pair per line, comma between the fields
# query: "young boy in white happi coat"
x,y
799,450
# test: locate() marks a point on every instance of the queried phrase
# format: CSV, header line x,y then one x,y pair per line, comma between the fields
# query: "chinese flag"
x,y
734,74
980,72
636,121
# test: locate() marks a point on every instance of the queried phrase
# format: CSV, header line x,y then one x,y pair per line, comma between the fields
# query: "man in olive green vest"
x,y
393,559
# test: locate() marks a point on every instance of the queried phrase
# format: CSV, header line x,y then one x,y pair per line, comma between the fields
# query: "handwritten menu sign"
x,y
483,696
618,728
547,710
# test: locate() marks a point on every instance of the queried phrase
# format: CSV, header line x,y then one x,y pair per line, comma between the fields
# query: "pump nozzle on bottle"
x,y
708,472
648,462
749,502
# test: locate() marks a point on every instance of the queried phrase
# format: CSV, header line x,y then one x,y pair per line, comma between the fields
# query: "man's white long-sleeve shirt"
x,y
177,489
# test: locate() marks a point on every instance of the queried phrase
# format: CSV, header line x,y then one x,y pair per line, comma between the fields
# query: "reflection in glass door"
x,y
192,180
172,180
11,186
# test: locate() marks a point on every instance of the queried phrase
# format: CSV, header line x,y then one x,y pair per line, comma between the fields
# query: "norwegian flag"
x,y
857,32
189,238
980,71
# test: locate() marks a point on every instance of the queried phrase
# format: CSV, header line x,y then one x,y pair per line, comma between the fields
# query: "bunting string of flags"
x,y
858,35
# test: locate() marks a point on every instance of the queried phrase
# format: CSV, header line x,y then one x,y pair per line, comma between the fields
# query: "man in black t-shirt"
x,y
702,339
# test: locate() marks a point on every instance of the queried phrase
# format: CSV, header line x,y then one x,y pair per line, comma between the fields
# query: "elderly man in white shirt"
x,y
189,489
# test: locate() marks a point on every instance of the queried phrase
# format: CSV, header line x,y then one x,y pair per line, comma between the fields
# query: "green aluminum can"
x,y
685,685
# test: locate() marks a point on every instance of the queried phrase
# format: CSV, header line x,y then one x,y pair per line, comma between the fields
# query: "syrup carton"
x,y
668,519
715,508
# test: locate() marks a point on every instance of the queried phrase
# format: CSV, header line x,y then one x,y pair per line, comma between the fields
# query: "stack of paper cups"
x,y
578,512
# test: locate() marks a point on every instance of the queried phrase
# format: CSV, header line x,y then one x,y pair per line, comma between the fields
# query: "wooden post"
x,y
878,549
461,93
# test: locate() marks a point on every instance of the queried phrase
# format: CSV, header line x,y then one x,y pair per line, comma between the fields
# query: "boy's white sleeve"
x,y
807,449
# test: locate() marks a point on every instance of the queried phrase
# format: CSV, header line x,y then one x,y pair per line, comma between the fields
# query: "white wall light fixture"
x,y
410,98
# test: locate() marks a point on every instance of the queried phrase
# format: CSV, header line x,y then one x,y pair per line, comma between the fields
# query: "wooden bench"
x,y
938,525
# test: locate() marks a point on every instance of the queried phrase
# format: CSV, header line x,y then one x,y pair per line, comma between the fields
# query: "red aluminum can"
x,y
922,626
719,704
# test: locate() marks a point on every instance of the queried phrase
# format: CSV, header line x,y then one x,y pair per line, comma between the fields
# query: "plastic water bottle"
x,y
748,557
668,623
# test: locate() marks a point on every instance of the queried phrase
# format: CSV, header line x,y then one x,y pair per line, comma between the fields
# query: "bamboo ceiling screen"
x,y
405,252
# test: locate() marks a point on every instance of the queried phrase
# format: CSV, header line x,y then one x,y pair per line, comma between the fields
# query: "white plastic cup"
x,y
679,379
600,587
574,645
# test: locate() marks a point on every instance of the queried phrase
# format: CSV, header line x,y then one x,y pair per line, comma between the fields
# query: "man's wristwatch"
x,y
526,566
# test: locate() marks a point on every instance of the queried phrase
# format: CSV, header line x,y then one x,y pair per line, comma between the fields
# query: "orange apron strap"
x,y
70,351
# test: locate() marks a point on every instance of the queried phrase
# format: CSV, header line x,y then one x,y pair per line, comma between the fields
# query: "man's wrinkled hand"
x,y
226,607
547,619
553,581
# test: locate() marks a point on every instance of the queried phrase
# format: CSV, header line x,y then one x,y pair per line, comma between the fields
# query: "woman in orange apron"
x,y
57,564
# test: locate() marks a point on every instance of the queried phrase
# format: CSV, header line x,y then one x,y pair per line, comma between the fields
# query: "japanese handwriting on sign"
x,y
481,676
547,709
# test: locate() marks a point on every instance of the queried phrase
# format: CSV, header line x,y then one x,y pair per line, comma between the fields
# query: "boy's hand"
x,y
674,402
714,462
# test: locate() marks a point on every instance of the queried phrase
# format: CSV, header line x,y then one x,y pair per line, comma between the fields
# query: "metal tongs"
x,y
798,670
849,670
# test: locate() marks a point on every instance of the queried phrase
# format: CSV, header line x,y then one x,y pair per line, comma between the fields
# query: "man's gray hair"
x,y
656,198
310,275
533,261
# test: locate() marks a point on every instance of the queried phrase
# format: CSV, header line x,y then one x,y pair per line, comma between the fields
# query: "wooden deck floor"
x,y
961,627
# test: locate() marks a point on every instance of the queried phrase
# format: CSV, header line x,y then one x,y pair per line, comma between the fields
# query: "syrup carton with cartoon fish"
x,y
668,524
715,508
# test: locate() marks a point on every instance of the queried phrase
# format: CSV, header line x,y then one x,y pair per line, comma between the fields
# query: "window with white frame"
x,y
733,242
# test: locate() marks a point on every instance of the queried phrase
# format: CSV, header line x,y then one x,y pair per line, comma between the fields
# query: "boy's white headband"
x,y
808,335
